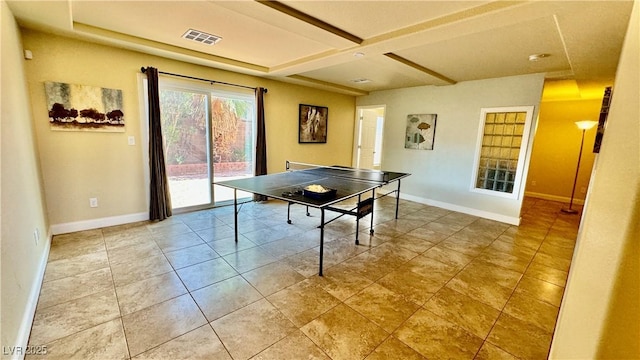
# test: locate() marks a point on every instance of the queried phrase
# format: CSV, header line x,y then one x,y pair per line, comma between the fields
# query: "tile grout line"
x,y
513,292
343,260
113,282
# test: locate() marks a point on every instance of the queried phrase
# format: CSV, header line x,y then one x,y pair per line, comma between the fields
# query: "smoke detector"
x,y
201,37
361,81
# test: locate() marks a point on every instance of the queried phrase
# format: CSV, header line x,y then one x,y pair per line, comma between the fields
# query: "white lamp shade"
x,y
586,124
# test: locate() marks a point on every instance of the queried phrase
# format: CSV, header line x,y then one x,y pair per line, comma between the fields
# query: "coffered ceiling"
x,y
355,47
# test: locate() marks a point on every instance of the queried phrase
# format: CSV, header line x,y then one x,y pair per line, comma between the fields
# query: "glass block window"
x,y
502,143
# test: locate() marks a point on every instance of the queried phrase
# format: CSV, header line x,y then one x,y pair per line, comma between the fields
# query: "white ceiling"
x,y
405,43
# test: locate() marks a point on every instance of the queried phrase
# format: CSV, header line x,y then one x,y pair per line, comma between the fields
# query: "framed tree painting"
x,y
312,124
84,108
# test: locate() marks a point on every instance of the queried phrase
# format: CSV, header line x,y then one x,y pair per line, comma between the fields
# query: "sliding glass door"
x,y
208,137
185,131
232,124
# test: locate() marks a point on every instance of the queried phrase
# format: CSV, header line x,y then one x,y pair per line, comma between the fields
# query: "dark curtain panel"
x,y
160,205
261,141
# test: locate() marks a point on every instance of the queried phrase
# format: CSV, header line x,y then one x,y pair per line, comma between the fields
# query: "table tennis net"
x,y
340,172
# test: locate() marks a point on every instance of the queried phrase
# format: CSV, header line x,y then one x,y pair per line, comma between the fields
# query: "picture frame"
x,y
312,124
73,107
420,132
602,120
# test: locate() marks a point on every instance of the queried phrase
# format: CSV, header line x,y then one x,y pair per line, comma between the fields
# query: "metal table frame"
x,y
323,206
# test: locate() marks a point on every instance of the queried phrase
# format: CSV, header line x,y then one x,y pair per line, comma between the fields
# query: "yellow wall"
x,y
556,146
23,209
80,165
600,313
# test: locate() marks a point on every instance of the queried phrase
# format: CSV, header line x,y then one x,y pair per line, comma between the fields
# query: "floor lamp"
x,y
584,126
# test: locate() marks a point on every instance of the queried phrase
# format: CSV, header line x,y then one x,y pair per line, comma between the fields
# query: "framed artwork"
x,y
312,124
84,108
604,113
421,131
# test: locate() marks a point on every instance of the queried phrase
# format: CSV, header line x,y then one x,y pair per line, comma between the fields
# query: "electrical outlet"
x,y
583,190
534,183
93,202
131,140
36,236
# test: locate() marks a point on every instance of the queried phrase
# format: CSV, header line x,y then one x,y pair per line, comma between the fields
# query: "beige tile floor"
x,y
433,284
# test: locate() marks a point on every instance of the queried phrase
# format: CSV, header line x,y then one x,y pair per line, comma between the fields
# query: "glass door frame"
x,y
179,85
165,81
237,94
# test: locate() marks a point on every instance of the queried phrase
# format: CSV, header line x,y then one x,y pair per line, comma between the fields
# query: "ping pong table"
x,y
344,183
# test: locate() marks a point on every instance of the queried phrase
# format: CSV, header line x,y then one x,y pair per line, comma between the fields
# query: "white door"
x,y
369,138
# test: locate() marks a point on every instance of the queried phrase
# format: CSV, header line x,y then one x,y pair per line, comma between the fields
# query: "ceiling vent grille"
x,y
201,37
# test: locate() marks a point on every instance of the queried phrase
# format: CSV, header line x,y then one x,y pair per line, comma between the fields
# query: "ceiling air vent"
x,y
201,37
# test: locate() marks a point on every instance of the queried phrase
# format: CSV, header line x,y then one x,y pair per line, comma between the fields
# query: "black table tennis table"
x,y
345,183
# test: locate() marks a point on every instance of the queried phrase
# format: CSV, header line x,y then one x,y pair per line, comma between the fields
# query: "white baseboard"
x,y
475,212
32,302
97,223
562,199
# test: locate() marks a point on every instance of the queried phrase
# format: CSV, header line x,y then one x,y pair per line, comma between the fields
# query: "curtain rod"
x,y
200,79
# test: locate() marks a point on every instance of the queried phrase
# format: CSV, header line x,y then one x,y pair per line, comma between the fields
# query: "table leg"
x,y
373,206
289,213
397,198
358,221
235,212
321,238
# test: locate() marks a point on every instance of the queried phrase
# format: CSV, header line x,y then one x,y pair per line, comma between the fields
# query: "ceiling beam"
x,y
285,9
420,68
329,85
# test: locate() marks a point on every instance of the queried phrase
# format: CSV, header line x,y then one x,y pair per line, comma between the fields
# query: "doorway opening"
x,y
369,126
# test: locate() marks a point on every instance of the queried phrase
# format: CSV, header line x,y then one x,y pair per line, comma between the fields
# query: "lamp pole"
x,y
584,126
